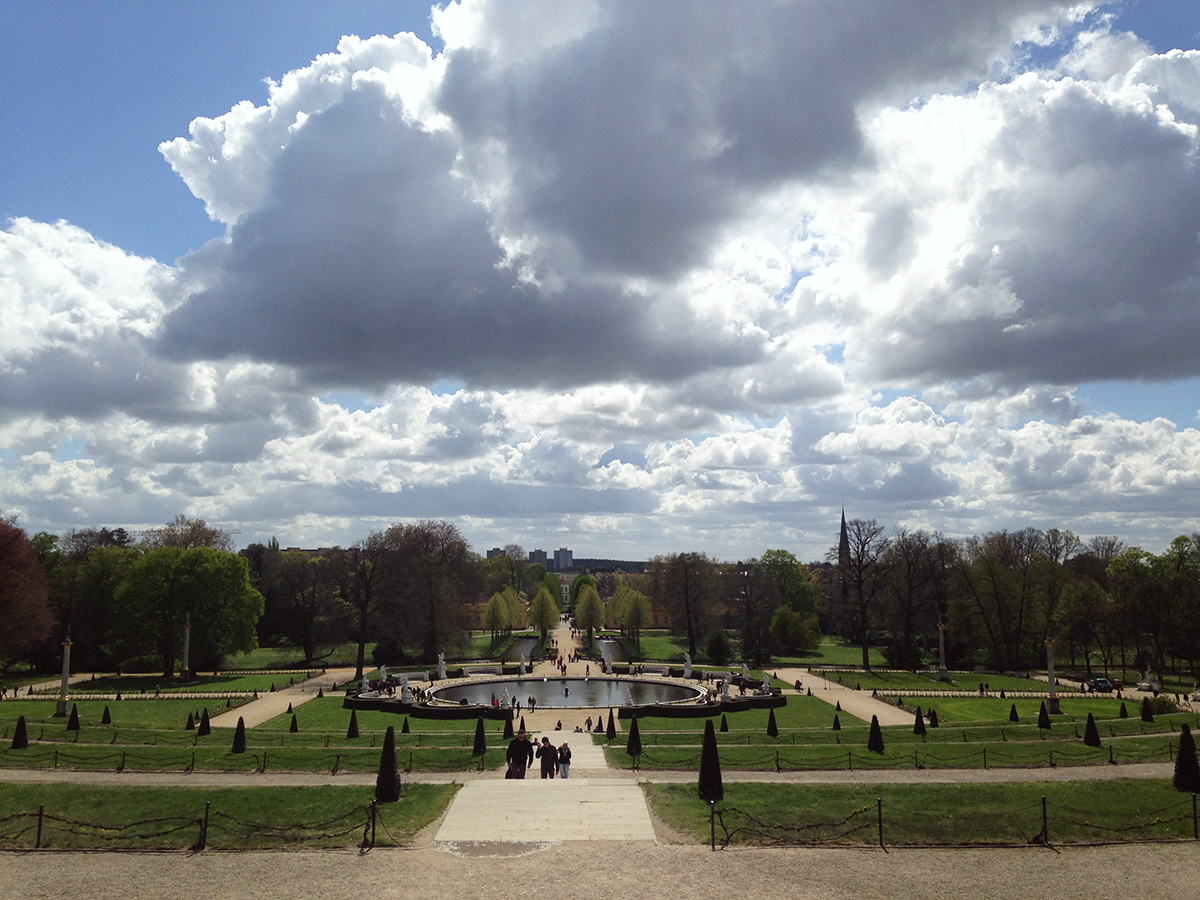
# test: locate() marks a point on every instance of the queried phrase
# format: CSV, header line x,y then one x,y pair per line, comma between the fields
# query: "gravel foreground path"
x,y
613,870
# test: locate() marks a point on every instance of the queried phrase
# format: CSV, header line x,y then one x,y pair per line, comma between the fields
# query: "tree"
x,y
166,585
687,584
369,575
543,613
589,612
1187,769
352,728
189,533
578,583
875,738
772,726
307,594
633,744
632,610
434,574
20,739
910,596
861,558
1043,718
1091,736
480,746
25,616
754,593
496,617
239,737
711,788
387,782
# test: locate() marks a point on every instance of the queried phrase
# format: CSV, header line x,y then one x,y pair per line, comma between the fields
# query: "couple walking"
x,y
520,754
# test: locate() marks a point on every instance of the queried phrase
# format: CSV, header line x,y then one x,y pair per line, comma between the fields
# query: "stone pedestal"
x,y
63,707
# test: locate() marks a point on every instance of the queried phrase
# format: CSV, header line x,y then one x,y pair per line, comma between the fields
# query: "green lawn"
x,y
148,818
339,656
162,714
927,681
932,814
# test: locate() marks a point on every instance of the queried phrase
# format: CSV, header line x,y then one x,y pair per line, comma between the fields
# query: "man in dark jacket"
x,y
548,754
519,754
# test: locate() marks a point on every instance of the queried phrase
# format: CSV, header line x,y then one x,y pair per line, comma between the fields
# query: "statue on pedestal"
x,y
442,666
406,694
687,665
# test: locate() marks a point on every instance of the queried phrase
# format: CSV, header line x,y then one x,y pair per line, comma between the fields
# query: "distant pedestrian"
x,y
519,754
564,760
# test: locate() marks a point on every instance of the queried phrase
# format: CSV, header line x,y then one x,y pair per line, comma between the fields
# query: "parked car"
x,y
1100,685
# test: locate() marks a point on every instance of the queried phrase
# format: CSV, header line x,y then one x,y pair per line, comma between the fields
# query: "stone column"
x,y
186,672
943,672
63,708
1052,700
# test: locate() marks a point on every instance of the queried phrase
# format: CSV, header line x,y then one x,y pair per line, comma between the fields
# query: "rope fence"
x,y
897,826
44,829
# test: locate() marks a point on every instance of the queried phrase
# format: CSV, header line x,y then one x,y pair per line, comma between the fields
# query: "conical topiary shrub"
x,y
837,725
289,709
352,731
20,739
711,788
919,724
73,721
106,719
933,718
1124,713
839,706
610,731
118,695
599,729
1091,737
1147,715
1012,714
724,724
295,727
1187,769
239,737
404,726
522,728
205,728
633,745
772,728
480,746
875,739
189,725
508,731
320,693
1044,717
387,782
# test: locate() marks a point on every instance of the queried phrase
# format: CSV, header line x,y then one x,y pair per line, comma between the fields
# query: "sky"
x,y
625,277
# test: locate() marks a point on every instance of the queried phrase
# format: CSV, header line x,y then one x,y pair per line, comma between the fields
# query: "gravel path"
x,y
612,870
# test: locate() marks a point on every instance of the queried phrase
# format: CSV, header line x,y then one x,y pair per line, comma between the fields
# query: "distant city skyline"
x,y
637,279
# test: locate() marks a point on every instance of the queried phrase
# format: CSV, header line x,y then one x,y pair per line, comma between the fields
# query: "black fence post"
x,y
712,824
985,757
1045,823
374,816
879,811
1195,821
41,812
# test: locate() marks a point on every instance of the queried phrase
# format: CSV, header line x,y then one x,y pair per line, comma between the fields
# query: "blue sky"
x,y
541,267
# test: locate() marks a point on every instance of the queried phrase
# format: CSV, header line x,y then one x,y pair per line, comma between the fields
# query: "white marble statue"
x,y
725,690
442,666
524,662
745,671
406,694
687,665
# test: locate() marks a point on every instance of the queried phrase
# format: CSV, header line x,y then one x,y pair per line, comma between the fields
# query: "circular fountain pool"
x,y
569,693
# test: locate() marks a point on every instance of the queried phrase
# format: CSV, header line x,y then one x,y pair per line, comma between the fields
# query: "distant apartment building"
x,y
563,559
539,556
494,552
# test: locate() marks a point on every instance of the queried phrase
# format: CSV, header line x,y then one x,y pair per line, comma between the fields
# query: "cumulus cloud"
x,y
696,277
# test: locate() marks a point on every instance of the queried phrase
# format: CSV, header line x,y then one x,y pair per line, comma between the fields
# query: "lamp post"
x,y
1052,699
63,707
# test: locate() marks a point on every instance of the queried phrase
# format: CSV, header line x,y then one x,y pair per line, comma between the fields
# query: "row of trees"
x,y
125,602
1003,594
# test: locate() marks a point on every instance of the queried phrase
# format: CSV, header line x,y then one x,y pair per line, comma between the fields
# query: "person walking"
x,y
519,755
564,760
549,757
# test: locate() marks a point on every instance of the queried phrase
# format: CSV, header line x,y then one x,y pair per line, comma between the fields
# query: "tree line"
x,y
1000,596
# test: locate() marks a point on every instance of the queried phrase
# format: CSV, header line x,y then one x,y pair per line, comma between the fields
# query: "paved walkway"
x,y
859,704
275,703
